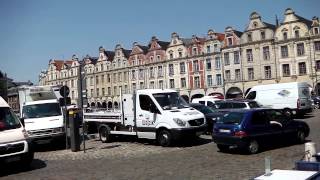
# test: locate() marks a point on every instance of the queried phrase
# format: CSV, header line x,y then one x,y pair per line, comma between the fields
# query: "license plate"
x,y
13,159
225,130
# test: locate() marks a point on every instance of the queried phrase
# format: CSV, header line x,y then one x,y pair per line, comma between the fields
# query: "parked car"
x,y
249,129
207,100
316,102
210,114
229,104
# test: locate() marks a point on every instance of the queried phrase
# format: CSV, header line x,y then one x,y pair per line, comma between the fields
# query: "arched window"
x,y
285,35
296,34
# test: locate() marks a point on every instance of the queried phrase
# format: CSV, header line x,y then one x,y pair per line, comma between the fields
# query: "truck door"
x,y
147,115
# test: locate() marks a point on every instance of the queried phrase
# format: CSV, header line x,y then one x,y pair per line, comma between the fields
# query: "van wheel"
x,y
253,147
104,134
301,136
287,112
164,138
223,148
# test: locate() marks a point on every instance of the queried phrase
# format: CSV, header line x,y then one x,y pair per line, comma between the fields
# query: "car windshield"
x,y
170,101
231,118
204,109
253,104
8,120
41,110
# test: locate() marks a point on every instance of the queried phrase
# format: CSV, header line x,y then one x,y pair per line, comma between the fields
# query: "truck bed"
x,y
103,116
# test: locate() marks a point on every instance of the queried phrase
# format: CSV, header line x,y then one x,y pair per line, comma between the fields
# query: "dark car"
x,y
316,102
210,114
249,129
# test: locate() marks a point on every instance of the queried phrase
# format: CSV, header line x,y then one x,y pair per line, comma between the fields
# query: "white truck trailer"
x,y
151,114
41,113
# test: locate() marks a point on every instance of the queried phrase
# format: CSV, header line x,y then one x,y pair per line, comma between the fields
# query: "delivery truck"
x,y
41,113
159,114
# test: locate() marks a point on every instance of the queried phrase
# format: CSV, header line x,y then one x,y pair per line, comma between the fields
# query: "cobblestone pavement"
x,y
145,160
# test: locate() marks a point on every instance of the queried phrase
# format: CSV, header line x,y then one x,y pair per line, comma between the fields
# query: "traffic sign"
x,y
64,91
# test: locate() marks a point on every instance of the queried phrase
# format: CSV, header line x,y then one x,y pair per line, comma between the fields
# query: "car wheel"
x,y
287,112
301,136
223,148
164,138
253,147
104,134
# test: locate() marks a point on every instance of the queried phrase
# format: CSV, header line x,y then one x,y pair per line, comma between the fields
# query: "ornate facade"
x,y
228,63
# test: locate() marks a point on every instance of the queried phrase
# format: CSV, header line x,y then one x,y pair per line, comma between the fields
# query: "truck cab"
x,y
15,144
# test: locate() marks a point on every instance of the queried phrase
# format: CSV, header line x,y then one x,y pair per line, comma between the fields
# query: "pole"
x,y
65,115
81,96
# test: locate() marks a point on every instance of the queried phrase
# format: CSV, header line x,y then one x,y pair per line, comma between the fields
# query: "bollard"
x,y
267,166
74,131
310,152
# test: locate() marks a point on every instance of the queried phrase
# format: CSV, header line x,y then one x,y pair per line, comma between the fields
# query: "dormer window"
x,y
316,30
255,24
285,36
230,41
194,51
263,35
158,58
171,54
296,34
101,67
151,58
208,49
249,37
119,63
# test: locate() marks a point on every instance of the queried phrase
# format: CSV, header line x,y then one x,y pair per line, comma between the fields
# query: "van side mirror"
x,y
22,121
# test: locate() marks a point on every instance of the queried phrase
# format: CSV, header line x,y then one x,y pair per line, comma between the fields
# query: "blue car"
x,y
249,129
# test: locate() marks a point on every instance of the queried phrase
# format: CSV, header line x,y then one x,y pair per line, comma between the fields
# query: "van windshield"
x,y
231,118
169,101
8,120
41,110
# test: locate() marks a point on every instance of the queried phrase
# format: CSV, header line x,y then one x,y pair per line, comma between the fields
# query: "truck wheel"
x,y
223,148
164,138
253,147
301,136
104,134
287,112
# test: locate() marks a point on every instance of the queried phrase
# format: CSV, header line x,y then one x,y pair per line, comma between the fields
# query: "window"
x,y
196,82
180,54
147,104
108,78
316,30
217,63
171,70
91,92
161,84
158,57
251,95
141,85
296,33
160,74
300,49
151,59
125,89
72,95
183,83
285,36
226,58
119,77
102,78
215,47
134,86
208,63
209,80
208,49
141,75
230,41
171,83
263,35
218,79
151,71
266,53
285,70
119,63
267,72
194,51
249,37
302,68
317,45
97,92
228,75
103,92
171,54
72,83
318,65
109,91
284,51
237,75
249,55
115,91
114,77
133,74
236,59
250,74
182,68
195,66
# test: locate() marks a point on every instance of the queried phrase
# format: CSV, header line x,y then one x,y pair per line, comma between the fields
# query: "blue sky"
x,y
34,31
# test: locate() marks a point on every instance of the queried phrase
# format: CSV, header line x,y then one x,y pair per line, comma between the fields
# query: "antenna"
x,y
277,21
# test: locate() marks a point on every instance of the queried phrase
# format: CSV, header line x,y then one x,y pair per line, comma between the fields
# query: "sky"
x,y
34,31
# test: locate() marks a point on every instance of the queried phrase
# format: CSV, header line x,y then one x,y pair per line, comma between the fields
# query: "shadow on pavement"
x,y
50,146
15,168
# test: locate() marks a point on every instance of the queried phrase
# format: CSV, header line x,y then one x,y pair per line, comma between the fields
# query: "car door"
x,y
147,117
259,127
274,118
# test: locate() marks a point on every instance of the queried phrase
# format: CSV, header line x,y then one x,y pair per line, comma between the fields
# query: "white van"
x,y
206,100
292,97
14,141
